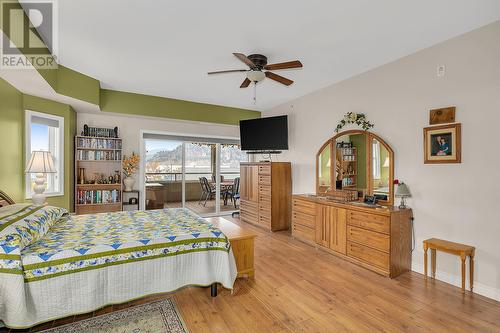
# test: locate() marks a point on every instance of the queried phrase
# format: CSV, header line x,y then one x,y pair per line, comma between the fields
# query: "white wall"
x,y
130,127
457,202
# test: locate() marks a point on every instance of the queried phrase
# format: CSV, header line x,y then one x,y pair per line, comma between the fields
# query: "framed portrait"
x,y
442,144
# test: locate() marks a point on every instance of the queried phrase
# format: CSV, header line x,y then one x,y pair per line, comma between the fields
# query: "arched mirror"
x,y
356,160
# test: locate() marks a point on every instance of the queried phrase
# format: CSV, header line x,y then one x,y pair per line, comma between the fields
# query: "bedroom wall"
x,y
63,110
11,141
129,129
456,201
12,110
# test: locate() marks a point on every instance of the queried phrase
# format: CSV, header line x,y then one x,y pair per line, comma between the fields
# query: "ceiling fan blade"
x,y
284,65
244,59
245,83
228,71
279,78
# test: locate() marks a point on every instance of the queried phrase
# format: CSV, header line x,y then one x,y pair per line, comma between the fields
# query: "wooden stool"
x,y
458,249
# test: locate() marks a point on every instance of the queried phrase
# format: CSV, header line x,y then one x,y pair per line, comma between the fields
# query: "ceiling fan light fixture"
x,y
255,75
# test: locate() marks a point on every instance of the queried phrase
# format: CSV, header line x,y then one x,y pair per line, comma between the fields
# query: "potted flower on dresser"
x,y
130,165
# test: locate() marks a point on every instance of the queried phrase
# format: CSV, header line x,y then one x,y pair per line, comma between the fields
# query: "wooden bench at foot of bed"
x,y
242,243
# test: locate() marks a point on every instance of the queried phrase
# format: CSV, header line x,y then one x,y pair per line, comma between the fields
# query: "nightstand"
x,y
128,199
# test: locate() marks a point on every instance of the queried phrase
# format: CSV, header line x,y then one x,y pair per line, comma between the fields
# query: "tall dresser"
x,y
265,194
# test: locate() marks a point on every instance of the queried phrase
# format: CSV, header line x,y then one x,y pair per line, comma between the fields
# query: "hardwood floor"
x,y
300,289
209,208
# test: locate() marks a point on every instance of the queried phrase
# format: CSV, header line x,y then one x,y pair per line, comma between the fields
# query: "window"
x,y
376,159
231,156
46,132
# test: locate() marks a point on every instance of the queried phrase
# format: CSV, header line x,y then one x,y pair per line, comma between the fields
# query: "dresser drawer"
x,y
369,221
264,179
264,169
368,255
265,200
303,232
264,190
248,216
371,239
265,220
304,219
249,205
304,206
265,210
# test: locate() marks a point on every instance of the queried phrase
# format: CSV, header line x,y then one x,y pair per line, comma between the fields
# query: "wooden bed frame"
x,y
5,200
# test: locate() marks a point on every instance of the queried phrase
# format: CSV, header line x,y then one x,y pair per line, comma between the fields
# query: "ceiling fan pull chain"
x,y
255,92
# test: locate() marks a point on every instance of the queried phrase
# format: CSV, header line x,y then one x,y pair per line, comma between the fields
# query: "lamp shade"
x,y
40,162
402,190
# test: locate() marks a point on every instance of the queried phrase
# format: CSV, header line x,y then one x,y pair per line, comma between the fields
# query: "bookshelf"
x,y
98,173
348,160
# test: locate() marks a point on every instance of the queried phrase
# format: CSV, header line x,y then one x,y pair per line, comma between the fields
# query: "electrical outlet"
x,y
441,71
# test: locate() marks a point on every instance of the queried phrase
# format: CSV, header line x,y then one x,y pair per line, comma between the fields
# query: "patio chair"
x,y
233,193
221,178
207,191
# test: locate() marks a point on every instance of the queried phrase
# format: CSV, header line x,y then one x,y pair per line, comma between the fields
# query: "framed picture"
x,y
442,144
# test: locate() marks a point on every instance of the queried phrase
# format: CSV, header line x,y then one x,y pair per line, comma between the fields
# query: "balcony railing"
x,y
177,176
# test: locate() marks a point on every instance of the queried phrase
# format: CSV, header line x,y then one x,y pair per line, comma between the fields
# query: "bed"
x,y
53,264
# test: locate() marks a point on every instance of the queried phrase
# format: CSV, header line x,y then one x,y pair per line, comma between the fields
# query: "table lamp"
x,y
402,191
41,163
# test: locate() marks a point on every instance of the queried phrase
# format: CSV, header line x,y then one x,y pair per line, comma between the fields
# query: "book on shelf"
x,y
90,197
93,155
98,143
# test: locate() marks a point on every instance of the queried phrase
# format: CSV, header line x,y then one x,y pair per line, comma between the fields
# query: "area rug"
x,y
162,316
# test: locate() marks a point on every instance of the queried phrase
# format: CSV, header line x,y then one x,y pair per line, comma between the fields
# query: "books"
x,y
90,197
98,155
98,143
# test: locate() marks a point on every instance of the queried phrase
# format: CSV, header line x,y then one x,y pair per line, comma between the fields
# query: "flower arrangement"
x,y
130,164
354,118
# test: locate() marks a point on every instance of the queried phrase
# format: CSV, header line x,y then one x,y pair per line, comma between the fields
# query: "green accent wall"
x,y
11,141
77,85
324,180
38,104
384,171
145,105
71,83
12,136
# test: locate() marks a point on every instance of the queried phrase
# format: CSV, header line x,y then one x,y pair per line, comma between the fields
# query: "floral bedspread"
x,y
84,242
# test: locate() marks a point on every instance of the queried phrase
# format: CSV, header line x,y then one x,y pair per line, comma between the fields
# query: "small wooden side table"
x,y
242,243
458,249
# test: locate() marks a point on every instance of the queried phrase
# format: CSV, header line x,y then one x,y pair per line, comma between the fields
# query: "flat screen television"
x,y
264,134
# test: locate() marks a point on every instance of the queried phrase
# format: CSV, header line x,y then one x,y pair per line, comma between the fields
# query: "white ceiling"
x,y
165,48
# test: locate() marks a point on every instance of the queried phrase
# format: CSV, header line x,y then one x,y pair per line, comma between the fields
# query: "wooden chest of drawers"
x,y
377,239
265,194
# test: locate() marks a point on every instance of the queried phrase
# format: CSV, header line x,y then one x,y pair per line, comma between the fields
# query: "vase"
x,y
129,183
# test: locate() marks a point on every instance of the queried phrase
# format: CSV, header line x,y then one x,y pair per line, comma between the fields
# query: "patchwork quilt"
x,y
84,242
53,264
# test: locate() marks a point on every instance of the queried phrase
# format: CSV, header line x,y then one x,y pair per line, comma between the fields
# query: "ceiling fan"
x,y
257,63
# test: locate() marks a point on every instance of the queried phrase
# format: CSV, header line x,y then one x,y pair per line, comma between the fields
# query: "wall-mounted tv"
x,y
264,134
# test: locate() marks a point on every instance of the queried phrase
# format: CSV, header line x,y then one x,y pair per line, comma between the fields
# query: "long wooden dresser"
x,y
376,238
265,194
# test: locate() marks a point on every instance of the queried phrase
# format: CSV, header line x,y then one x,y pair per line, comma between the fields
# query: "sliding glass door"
x,y
163,173
200,175
200,180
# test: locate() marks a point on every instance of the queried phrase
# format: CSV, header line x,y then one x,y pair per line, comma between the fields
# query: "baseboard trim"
x,y
479,288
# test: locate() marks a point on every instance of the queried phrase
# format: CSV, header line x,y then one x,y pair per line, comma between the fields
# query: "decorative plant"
x,y
354,118
130,164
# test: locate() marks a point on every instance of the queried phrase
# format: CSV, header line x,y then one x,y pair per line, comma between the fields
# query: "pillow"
x,y
29,222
